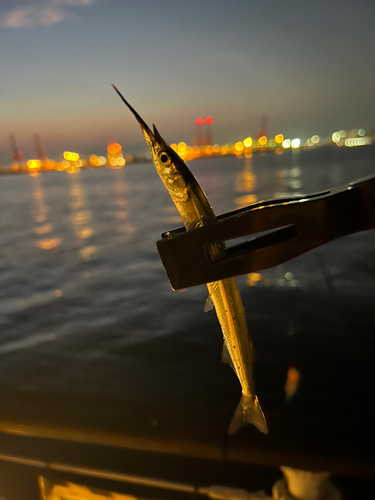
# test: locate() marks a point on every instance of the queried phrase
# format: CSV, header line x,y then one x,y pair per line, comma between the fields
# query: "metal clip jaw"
x,y
292,225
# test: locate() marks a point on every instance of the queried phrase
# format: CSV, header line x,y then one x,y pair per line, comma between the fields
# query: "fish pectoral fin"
x,y
225,357
248,412
209,304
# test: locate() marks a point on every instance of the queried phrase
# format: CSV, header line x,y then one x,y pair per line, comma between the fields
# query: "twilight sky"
x,y
308,66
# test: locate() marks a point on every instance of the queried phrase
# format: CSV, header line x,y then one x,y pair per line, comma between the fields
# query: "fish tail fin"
x,y
248,412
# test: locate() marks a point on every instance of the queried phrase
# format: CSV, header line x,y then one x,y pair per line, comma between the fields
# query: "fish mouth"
x,y
150,136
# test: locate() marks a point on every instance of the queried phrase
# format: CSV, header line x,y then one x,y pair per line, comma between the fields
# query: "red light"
x,y
209,120
199,120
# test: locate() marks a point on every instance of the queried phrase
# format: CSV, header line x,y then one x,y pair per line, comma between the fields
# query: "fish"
x,y
196,211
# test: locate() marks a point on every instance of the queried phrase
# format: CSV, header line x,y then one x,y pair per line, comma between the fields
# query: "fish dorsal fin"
x,y
209,304
225,357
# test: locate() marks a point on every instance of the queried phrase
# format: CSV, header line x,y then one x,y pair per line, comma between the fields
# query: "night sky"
x,y
308,66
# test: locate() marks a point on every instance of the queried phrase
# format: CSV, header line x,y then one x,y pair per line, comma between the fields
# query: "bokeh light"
x,y
34,165
279,138
114,148
93,160
336,137
248,142
262,141
69,156
239,147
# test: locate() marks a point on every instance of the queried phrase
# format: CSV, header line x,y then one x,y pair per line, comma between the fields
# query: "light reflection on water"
x,y
246,183
289,184
42,227
121,204
81,217
100,228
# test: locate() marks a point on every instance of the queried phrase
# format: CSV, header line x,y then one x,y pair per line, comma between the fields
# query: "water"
x,y
82,286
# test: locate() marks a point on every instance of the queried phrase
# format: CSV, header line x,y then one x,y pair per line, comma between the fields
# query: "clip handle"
x,y
297,225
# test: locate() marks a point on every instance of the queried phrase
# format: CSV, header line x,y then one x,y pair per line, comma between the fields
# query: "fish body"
x,y
195,211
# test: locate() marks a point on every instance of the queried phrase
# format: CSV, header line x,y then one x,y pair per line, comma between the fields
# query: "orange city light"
x,y
238,147
114,148
279,138
262,140
34,165
93,160
182,149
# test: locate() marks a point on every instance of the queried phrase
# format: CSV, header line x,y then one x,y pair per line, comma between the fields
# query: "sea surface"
x,y
81,283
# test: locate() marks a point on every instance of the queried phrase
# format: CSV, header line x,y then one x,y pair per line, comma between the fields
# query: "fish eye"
x,y
165,159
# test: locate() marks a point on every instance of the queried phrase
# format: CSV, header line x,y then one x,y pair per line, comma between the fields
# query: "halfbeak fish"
x,y
195,210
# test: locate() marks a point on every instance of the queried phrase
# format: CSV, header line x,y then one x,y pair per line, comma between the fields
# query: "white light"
x,y
336,137
286,143
361,132
295,172
343,133
357,141
296,143
315,139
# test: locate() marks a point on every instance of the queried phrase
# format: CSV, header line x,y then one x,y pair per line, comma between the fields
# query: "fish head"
x,y
171,168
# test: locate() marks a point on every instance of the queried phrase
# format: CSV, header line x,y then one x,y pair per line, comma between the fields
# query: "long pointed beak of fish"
x,y
150,137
